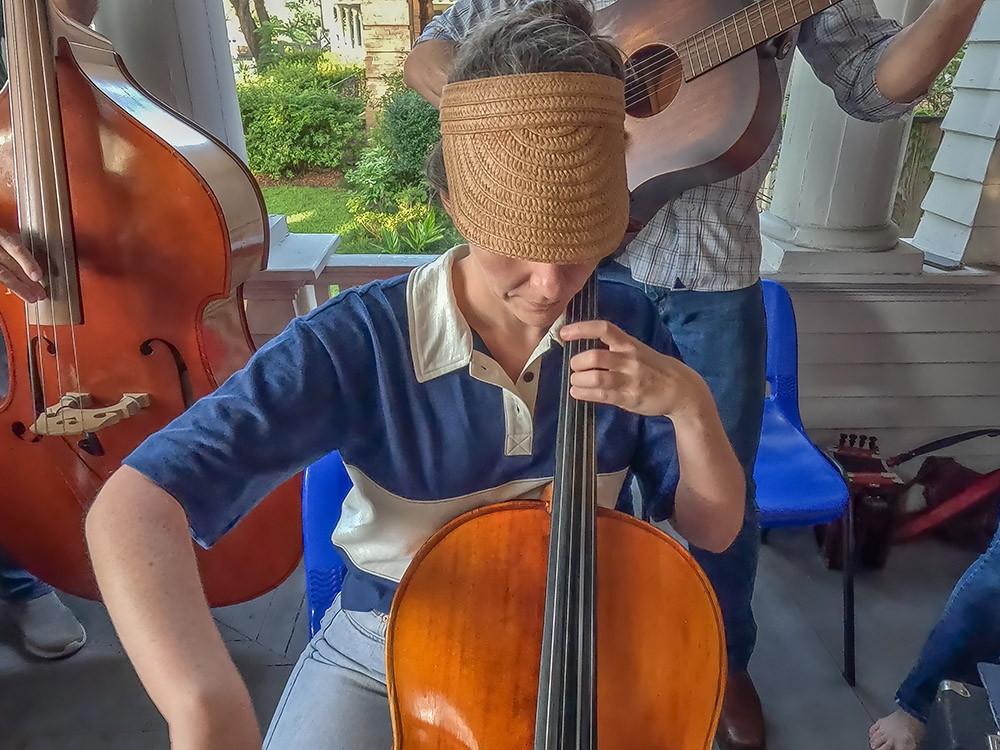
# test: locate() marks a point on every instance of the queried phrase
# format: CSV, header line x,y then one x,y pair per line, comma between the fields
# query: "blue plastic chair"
x,y
325,484
797,485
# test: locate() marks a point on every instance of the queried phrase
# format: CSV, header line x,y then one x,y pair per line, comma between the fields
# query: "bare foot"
x,y
897,731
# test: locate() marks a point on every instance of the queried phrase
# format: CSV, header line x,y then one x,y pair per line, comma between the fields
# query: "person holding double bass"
x,y
699,258
47,627
440,389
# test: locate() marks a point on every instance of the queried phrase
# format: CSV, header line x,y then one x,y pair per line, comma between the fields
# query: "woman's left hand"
x,y
632,376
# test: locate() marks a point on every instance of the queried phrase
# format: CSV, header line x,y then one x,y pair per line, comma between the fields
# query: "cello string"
x,y
588,530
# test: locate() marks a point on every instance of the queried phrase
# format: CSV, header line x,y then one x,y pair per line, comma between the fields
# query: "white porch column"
x,y
836,181
179,51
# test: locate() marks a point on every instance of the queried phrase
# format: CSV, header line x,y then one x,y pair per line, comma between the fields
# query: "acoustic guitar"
x,y
702,95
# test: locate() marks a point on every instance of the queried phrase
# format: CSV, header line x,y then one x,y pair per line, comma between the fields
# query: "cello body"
x,y
164,224
464,644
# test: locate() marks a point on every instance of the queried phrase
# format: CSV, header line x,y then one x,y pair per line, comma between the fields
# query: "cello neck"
x,y
39,159
566,709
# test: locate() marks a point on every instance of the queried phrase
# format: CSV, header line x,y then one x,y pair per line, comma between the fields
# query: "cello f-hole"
x,y
183,375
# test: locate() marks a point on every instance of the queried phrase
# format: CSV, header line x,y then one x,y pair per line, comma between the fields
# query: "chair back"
x,y
782,351
325,484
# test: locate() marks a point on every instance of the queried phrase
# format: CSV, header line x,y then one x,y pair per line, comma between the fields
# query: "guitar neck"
x,y
744,30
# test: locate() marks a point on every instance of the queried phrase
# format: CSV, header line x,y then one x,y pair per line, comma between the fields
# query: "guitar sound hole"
x,y
653,76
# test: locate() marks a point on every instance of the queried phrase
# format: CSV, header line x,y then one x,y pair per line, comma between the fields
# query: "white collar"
x,y
440,337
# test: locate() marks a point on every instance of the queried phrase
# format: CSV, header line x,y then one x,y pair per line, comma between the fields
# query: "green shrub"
x,y
411,129
405,228
938,99
390,194
298,115
372,178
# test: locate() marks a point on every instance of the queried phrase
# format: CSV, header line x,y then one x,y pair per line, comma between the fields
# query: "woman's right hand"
x,y
19,271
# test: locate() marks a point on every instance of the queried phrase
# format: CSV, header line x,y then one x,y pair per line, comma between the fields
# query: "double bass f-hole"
x,y
183,374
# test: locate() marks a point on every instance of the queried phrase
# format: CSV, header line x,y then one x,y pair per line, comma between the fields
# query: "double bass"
x,y
145,227
555,624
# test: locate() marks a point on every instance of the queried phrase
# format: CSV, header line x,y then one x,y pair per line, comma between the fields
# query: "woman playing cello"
x,y
440,391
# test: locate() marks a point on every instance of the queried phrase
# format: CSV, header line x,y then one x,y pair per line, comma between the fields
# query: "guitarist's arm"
x,y
871,64
426,67
917,54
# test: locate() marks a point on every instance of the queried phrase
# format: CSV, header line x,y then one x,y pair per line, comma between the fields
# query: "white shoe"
x,y
49,629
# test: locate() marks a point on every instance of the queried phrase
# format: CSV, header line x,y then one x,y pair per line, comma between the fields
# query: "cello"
x,y
555,625
145,228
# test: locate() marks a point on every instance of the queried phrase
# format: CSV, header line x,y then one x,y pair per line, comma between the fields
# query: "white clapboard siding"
x,y
916,348
909,367
961,315
896,381
946,412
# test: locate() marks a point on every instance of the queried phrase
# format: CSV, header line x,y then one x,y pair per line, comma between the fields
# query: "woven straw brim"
x,y
536,164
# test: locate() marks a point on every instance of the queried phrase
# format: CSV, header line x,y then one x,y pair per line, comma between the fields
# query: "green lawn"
x,y
309,209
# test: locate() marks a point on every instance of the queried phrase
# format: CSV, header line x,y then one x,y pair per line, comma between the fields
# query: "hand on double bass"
x,y
19,271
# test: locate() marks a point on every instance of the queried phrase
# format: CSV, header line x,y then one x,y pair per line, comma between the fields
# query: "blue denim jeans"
x,y
967,633
335,697
723,337
17,584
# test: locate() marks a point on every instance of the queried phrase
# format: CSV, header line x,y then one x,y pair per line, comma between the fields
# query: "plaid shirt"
x,y
708,238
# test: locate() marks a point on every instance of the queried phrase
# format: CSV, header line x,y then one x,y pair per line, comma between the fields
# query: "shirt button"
x,y
528,377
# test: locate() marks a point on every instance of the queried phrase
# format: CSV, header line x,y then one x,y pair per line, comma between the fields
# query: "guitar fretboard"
x,y
744,30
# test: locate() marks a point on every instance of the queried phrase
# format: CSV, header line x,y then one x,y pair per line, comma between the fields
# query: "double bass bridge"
x,y
74,414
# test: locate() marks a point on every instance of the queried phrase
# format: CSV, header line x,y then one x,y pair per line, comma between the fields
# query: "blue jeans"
x,y
335,697
967,633
15,584
723,337
18,585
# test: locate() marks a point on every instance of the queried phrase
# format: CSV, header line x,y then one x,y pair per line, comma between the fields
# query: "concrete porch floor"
x,y
94,700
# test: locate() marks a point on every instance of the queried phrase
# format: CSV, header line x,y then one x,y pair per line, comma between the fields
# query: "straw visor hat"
x,y
536,164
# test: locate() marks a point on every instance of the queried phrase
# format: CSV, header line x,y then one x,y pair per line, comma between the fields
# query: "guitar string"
x,y
663,60
702,36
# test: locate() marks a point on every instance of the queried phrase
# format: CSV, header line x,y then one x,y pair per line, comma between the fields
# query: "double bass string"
x,y
58,164
41,73
16,74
